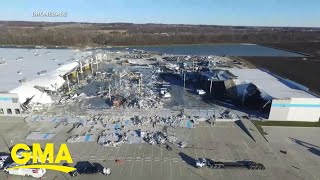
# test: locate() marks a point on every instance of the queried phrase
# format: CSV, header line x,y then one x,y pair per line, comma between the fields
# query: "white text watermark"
x,y
49,14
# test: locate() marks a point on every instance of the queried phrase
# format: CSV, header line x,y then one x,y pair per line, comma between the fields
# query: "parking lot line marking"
x,y
302,164
82,150
62,174
204,152
195,151
151,161
107,157
170,165
162,160
124,159
98,154
134,154
245,172
211,135
246,145
141,160
151,168
117,152
315,170
228,170
152,152
230,153
115,158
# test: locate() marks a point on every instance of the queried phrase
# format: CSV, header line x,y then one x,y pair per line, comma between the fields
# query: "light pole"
x,y
91,62
210,86
78,77
80,63
184,80
68,83
97,65
110,92
214,117
140,83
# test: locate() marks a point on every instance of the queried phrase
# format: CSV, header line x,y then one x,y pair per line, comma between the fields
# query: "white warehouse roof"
x,y
17,64
269,84
23,69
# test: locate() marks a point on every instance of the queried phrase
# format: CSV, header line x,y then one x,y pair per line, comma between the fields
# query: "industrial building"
x,y
280,98
9,104
32,75
295,109
36,75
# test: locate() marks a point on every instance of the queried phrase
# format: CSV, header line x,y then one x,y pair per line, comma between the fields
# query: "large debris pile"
x,y
158,137
113,139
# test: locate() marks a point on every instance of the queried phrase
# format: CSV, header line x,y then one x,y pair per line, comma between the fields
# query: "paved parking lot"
x,y
224,142
302,146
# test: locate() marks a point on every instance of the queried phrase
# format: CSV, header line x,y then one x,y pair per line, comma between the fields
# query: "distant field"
x,y
312,48
305,72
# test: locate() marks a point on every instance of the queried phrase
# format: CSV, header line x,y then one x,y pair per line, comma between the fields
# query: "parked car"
x,y
33,172
201,162
71,173
89,170
4,157
3,160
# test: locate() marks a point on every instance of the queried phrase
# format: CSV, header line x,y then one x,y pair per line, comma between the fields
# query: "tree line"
x,y
119,35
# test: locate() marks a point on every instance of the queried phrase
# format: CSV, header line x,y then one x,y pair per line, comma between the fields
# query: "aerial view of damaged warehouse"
x,y
118,98
84,100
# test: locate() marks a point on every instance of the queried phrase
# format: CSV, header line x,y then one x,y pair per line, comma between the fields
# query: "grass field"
x,y
287,123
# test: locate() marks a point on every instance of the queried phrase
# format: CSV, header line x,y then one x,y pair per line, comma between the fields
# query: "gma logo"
x,y
22,154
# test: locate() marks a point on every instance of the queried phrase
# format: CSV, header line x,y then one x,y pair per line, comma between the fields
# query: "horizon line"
x,y
155,23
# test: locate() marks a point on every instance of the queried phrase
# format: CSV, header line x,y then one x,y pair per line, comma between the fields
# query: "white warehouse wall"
x,y
295,109
279,113
9,101
308,111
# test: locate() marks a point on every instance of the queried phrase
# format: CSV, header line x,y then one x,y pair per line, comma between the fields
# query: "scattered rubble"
x,y
102,104
84,138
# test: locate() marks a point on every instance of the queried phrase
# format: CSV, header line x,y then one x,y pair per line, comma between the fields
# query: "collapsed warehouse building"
x,y
280,98
37,74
